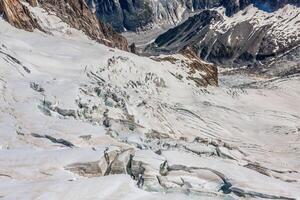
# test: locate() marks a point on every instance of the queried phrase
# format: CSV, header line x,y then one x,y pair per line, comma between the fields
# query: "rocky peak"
x,y
76,13
18,15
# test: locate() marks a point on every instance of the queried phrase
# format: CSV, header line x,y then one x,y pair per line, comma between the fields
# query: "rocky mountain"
x,y
78,15
135,15
251,37
73,12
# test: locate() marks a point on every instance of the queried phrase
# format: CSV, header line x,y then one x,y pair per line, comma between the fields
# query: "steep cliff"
x,y
18,15
77,14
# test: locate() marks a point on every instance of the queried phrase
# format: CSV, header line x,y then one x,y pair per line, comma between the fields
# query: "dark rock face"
x,y
125,14
233,6
18,15
109,11
193,29
77,14
273,5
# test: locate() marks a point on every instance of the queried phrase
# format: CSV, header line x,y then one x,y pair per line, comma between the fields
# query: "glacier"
x,y
79,120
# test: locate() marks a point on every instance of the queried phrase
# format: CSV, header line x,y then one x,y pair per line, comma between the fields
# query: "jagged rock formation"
x,y
251,37
18,15
143,14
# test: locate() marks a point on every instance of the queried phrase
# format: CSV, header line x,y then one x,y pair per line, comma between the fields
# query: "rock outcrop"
x,y
76,13
208,72
18,15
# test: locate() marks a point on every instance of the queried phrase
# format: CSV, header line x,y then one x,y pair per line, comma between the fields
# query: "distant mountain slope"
x,y
134,15
250,37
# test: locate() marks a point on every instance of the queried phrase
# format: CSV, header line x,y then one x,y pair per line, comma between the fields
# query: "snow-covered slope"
x,y
79,120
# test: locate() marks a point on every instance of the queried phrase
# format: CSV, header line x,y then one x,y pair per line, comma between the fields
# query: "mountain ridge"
x,y
250,38
129,15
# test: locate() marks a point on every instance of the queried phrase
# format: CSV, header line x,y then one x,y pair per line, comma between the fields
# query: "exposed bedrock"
x,y
18,15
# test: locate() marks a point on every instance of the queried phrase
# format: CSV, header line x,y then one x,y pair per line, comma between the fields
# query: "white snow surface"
x,y
238,127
